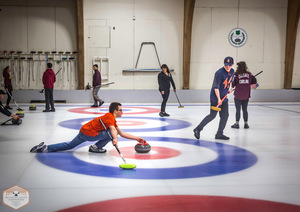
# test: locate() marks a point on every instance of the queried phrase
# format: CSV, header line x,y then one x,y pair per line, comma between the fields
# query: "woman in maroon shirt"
x,y
242,83
7,85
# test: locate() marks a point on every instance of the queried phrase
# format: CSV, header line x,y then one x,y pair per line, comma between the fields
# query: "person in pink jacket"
x,y
48,81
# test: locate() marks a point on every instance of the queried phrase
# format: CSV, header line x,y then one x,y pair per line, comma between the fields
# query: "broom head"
x,y
215,108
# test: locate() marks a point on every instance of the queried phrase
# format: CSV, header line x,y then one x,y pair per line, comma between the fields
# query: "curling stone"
x,y
20,114
32,107
16,121
88,87
142,147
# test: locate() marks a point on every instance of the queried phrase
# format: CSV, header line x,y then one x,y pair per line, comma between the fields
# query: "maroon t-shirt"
x,y
7,81
242,85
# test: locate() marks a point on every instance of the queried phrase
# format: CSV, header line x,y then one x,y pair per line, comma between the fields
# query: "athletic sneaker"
x,y
95,149
196,133
101,103
246,126
8,107
222,137
94,106
52,110
161,114
38,148
165,114
236,126
46,110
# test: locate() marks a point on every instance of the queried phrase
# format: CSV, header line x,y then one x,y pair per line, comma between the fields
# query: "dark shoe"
x,y
246,126
222,137
196,133
101,103
235,126
165,114
8,107
95,149
161,114
46,110
94,106
52,110
38,148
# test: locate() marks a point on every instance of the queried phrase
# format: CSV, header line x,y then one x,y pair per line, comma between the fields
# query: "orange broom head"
x,y
180,106
215,108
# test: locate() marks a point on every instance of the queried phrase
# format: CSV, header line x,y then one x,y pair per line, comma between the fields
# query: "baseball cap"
x,y
228,61
2,92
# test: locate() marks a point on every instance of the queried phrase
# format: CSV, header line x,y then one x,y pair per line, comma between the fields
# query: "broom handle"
x,y
177,98
225,97
112,139
58,71
222,100
258,73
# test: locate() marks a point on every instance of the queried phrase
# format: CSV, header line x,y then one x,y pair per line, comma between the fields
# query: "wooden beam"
x,y
291,35
80,43
187,40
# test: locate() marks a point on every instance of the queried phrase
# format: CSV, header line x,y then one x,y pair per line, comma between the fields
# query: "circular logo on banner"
x,y
237,37
213,159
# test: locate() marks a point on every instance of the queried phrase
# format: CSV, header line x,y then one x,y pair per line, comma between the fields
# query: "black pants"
x,y
165,99
9,90
223,117
49,98
238,105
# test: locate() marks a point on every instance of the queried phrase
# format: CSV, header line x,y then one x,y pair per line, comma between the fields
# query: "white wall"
x,y
265,24
130,23
38,25
116,28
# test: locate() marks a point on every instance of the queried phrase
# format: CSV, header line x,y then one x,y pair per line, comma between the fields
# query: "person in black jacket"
x,y
164,79
3,109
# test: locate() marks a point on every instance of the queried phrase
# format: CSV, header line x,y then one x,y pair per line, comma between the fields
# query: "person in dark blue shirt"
x,y
220,88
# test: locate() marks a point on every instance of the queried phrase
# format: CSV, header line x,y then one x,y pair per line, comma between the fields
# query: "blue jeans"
x,y
95,95
102,139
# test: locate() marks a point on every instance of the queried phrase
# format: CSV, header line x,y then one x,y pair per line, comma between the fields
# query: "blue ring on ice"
x,y
230,159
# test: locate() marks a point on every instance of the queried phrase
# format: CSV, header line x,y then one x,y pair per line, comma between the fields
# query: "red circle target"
x,y
190,203
126,109
124,123
155,153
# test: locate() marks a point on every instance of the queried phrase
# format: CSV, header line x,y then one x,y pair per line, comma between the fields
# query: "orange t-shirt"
x,y
92,128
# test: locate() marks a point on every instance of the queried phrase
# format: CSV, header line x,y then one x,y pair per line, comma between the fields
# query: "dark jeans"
x,y
9,90
102,139
223,117
165,99
49,98
238,105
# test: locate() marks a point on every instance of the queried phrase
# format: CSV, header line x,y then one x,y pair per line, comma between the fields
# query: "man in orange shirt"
x,y
93,131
